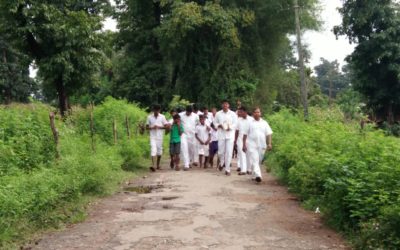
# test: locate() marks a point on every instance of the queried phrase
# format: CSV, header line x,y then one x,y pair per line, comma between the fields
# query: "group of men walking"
x,y
196,136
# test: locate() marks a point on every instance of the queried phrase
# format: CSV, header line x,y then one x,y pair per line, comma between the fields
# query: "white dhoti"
x,y
256,155
192,148
242,159
185,151
225,151
156,146
203,149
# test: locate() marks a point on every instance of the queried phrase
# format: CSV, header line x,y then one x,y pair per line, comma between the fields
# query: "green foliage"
x,y
63,39
351,176
331,80
375,27
178,102
36,190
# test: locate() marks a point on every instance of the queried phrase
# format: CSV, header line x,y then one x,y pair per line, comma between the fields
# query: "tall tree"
x,y
375,62
204,50
15,83
62,37
330,79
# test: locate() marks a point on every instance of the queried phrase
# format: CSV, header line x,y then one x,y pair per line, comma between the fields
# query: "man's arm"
x,y
269,142
244,143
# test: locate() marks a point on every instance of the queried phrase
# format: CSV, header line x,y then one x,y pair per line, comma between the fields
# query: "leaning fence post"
x,y
115,131
55,133
127,127
92,127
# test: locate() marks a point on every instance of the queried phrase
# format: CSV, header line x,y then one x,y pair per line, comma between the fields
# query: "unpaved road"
x,y
198,209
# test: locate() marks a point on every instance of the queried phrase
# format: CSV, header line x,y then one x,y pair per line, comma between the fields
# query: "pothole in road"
x,y
142,189
168,198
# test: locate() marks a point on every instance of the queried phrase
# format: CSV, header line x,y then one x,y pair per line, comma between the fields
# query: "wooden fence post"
x,y
115,131
55,133
127,127
92,127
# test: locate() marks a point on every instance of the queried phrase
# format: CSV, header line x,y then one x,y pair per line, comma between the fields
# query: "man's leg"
x,y
159,152
228,154
221,153
153,153
255,160
191,142
242,158
185,152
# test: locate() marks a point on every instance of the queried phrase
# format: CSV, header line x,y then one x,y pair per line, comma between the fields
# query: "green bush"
x,y
351,175
37,190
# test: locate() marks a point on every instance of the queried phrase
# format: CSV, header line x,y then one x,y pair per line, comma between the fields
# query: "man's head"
x,y
225,105
242,112
173,112
238,103
214,111
202,119
156,109
189,109
205,111
176,118
257,113
195,108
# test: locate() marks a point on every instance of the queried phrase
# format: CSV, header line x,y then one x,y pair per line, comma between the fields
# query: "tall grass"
x,y
38,191
353,176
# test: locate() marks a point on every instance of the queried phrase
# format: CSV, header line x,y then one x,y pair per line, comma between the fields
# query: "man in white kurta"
x,y
156,123
256,140
243,125
226,122
189,121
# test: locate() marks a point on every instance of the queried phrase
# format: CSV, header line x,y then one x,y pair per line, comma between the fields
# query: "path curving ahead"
x,y
198,209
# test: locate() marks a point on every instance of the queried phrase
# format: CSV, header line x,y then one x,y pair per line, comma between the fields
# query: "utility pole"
x,y
301,60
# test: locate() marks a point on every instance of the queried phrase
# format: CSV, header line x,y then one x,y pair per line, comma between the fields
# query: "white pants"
x,y
192,148
225,150
256,155
242,159
156,146
203,149
185,151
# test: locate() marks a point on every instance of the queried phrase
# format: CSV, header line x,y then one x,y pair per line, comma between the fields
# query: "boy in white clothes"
x,y
156,123
256,140
203,137
189,121
243,125
214,138
226,122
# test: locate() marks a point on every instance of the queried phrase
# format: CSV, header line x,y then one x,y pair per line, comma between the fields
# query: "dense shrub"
x,y
353,176
39,191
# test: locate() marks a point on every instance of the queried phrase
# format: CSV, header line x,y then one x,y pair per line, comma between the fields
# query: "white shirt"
x,y
189,123
257,133
243,126
228,120
202,132
156,121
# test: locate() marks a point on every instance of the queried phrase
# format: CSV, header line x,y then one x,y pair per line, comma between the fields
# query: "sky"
x,y
324,43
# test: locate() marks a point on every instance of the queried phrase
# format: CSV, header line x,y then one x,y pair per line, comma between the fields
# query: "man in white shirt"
x,y
226,122
243,125
256,140
189,121
156,123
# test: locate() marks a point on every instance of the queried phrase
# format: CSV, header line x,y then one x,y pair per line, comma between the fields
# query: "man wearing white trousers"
x,y
243,125
189,121
256,140
156,123
226,122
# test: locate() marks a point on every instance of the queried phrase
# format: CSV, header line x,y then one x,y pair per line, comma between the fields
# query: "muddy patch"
x,y
142,189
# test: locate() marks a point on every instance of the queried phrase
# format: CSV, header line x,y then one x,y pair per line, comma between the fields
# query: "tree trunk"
x,y
62,96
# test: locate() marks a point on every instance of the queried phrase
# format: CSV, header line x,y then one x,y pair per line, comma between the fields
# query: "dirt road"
x,y
197,209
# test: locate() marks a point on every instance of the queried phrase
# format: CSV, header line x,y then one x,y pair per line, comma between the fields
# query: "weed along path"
x,y
197,209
